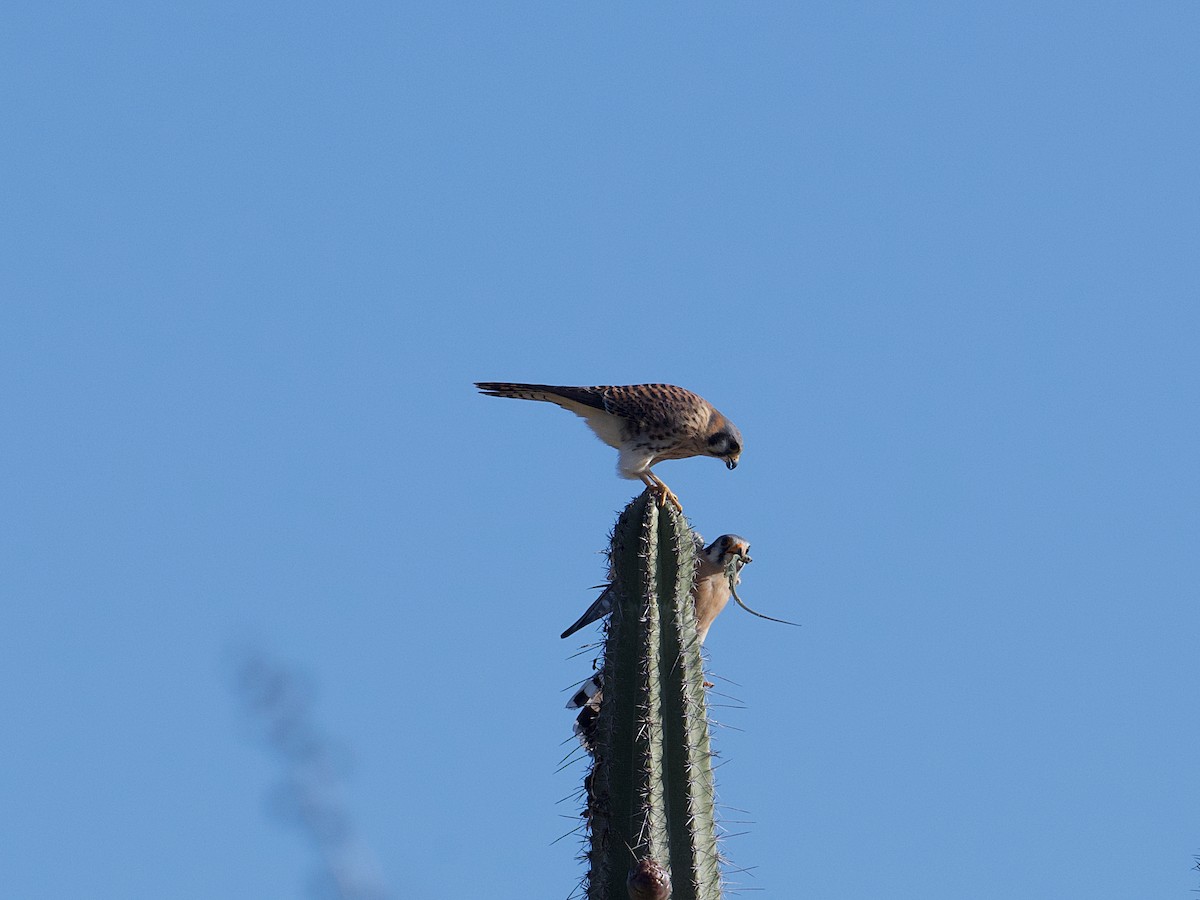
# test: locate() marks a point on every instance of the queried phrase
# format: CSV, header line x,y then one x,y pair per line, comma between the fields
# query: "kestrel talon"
x,y
646,423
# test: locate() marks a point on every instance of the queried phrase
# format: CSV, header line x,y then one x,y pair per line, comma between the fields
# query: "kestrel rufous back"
x,y
647,423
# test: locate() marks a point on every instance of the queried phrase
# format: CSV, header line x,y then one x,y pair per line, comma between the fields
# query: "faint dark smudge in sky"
x,y
277,701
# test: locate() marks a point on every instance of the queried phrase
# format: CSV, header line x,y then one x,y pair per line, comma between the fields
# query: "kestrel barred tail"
x,y
646,423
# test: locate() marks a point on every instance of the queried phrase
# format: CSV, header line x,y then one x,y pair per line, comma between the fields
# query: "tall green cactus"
x,y
651,803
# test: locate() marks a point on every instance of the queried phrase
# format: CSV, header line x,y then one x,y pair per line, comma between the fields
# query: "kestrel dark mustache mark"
x,y
645,423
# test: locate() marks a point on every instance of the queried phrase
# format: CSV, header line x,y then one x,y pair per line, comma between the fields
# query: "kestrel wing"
x,y
655,407
586,692
598,610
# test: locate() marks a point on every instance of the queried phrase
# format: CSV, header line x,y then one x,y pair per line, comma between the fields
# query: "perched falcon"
x,y
718,569
710,591
647,423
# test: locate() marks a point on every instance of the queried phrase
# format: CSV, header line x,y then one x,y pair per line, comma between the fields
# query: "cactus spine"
x,y
651,801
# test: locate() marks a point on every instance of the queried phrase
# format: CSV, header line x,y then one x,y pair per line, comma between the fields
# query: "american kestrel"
x,y
710,591
718,570
647,423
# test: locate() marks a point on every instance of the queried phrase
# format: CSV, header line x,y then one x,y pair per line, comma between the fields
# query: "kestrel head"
x,y
725,548
724,441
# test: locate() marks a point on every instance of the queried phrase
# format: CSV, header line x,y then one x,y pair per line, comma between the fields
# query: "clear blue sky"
x,y
938,261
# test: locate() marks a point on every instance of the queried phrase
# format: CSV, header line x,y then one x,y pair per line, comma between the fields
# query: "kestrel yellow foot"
x,y
665,494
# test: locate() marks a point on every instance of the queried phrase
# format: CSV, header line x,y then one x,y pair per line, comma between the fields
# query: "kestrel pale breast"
x,y
710,591
719,571
646,423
